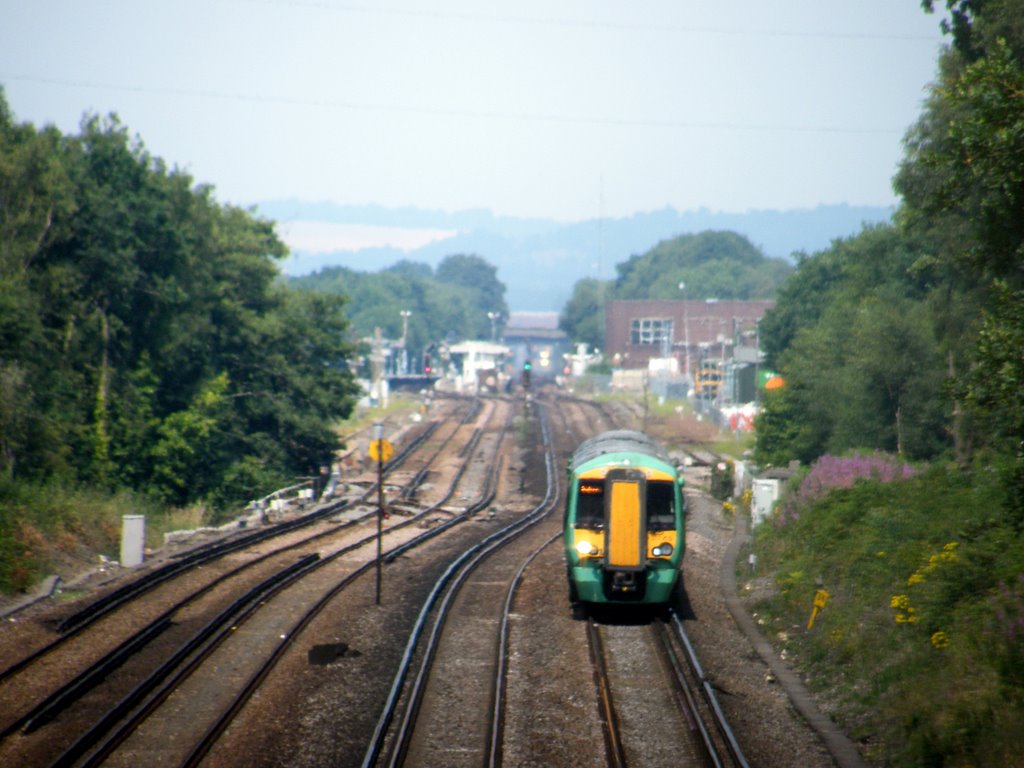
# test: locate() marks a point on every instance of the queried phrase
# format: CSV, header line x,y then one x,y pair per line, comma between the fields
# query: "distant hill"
x,y
539,261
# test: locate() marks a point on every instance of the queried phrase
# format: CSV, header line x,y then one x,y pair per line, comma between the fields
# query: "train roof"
x,y
617,441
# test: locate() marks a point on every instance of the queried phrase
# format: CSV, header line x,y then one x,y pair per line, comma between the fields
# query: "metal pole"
x,y
686,336
380,517
757,359
378,431
406,314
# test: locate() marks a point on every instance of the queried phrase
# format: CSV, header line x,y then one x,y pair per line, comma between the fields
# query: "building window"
x,y
651,331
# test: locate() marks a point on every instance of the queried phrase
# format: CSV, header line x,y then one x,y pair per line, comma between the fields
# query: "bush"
x,y
922,638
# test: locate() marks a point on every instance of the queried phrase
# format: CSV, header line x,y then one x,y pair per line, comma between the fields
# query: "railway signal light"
x,y
527,368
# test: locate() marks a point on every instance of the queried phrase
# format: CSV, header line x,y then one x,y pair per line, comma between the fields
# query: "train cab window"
x,y
661,513
590,505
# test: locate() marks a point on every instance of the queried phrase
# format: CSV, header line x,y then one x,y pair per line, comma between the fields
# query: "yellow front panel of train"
x,y
625,546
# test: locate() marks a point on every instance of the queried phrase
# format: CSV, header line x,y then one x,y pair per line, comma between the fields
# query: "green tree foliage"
x,y
853,335
996,385
909,339
486,293
450,304
582,319
961,236
144,340
975,25
963,186
723,265
801,302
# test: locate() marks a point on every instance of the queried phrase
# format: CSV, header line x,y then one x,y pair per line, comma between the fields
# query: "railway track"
x,y
93,611
431,721
450,616
632,661
472,658
175,627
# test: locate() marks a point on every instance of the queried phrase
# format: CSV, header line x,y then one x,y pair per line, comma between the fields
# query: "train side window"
x,y
661,514
590,505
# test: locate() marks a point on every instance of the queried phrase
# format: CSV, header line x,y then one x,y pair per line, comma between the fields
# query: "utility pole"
x,y
686,336
406,314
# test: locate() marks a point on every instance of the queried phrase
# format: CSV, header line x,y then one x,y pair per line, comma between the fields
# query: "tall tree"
x,y
962,180
855,340
144,339
722,265
480,277
583,317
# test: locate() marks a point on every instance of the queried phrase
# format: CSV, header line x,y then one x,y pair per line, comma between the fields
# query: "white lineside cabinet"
x,y
133,540
765,494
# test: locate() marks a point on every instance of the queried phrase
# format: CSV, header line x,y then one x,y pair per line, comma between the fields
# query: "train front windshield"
x,y
590,505
660,505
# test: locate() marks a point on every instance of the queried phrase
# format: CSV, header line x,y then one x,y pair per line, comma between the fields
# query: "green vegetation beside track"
x,y
920,644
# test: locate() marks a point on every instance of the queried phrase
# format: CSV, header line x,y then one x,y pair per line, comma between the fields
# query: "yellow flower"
x,y
940,639
906,613
915,578
900,602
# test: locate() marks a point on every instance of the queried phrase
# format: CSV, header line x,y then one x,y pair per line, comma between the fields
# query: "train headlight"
x,y
586,549
662,550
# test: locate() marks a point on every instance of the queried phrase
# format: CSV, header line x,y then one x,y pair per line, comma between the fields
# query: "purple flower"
x,y
830,472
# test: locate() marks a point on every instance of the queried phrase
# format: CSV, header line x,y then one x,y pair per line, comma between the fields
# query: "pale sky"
x,y
553,109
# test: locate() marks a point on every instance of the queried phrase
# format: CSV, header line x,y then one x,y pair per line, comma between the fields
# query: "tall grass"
x,y
59,527
53,527
922,638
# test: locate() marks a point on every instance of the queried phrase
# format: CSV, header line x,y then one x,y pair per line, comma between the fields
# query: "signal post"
x,y
380,451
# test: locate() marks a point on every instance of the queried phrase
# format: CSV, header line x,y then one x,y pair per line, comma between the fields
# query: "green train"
x,y
625,514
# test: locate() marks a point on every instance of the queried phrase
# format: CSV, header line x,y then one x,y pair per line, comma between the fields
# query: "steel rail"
x,y
118,597
493,756
397,552
377,740
61,699
708,691
512,532
112,742
88,615
609,719
111,729
203,747
686,695
75,688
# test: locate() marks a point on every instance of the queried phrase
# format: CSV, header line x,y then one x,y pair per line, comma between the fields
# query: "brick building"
x,y
682,332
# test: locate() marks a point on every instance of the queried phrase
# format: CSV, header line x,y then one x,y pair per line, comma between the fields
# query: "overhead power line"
x,y
617,26
482,114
